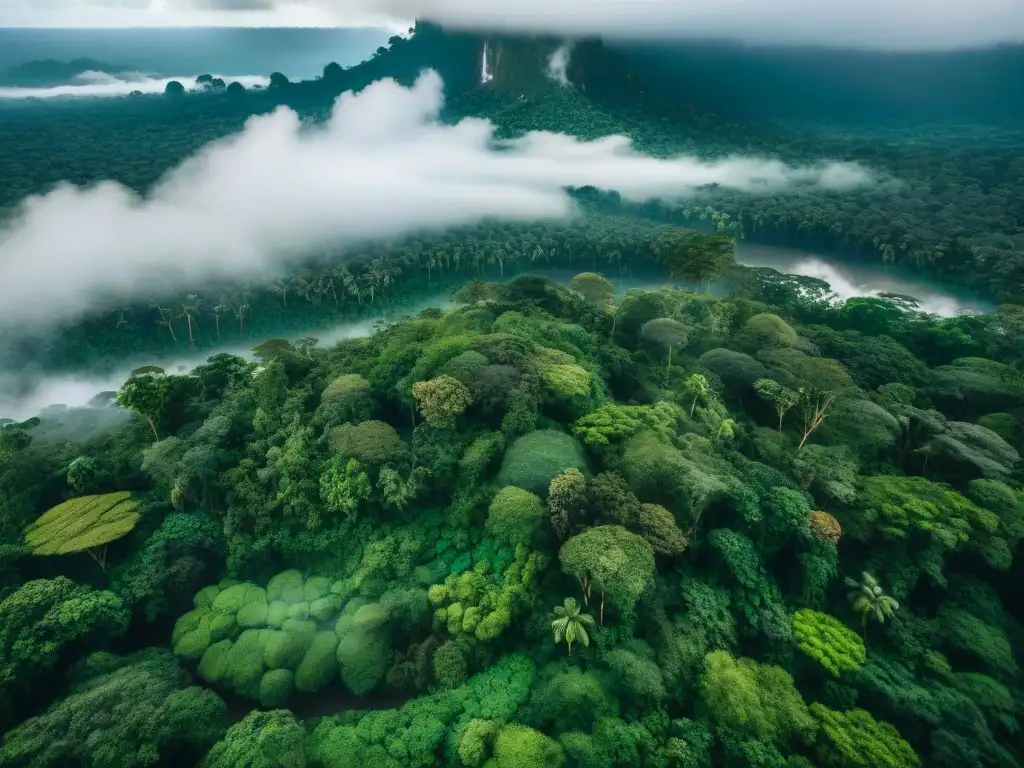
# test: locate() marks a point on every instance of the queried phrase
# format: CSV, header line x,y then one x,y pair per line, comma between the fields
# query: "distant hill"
x,y
47,72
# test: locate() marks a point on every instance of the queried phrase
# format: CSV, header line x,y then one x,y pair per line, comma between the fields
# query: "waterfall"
x,y
485,72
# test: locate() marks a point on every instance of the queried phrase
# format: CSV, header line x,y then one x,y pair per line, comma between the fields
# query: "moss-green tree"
x,y
697,388
594,288
146,392
566,497
261,740
534,460
129,711
344,486
779,396
614,560
441,400
514,516
666,333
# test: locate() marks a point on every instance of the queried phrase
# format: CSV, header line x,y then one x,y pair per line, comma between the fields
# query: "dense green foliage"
x,y
683,594
548,527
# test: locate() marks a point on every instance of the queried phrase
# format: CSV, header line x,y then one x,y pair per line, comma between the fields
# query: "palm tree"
x,y
571,625
869,600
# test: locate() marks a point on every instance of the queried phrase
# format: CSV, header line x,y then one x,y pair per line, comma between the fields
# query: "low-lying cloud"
x,y
911,25
381,166
94,84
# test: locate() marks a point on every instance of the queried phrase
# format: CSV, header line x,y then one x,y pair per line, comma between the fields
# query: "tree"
x,y
235,88
828,641
174,88
612,424
349,397
535,459
441,400
814,404
594,288
854,739
514,516
766,331
42,621
371,443
332,71
146,392
781,397
747,700
517,746
570,625
278,80
867,599
261,740
697,387
667,333
825,527
619,563
344,486
566,497
736,370
690,255
190,310
132,711
83,524
658,527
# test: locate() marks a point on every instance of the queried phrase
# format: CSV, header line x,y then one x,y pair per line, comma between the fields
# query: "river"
x,y
846,279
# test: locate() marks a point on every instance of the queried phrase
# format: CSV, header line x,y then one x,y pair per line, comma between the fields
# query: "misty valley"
x,y
496,395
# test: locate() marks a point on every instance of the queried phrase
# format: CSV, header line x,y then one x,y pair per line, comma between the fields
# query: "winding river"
x,y
846,279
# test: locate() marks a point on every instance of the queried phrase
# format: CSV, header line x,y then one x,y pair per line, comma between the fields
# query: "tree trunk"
x,y
153,427
602,607
100,558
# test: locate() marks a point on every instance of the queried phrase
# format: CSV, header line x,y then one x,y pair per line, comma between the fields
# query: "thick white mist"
x,y
101,84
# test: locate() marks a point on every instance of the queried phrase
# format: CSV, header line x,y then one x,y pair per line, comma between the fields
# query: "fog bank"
x,y
887,25
382,166
93,84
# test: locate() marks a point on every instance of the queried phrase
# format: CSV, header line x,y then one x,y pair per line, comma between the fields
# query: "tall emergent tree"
x,y
146,393
570,625
869,600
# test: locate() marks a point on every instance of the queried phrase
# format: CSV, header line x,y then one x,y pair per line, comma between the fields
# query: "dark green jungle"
x,y
554,525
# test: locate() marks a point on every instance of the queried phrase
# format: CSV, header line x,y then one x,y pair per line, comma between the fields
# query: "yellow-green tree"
x,y
828,641
441,400
83,524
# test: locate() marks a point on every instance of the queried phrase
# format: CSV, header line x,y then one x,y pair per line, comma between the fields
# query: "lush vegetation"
x,y
534,540
548,527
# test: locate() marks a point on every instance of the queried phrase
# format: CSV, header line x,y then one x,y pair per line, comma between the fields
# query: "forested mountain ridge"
x,y
956,212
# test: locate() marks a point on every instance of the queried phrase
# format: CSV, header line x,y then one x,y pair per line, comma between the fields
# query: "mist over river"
x,y
847,280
